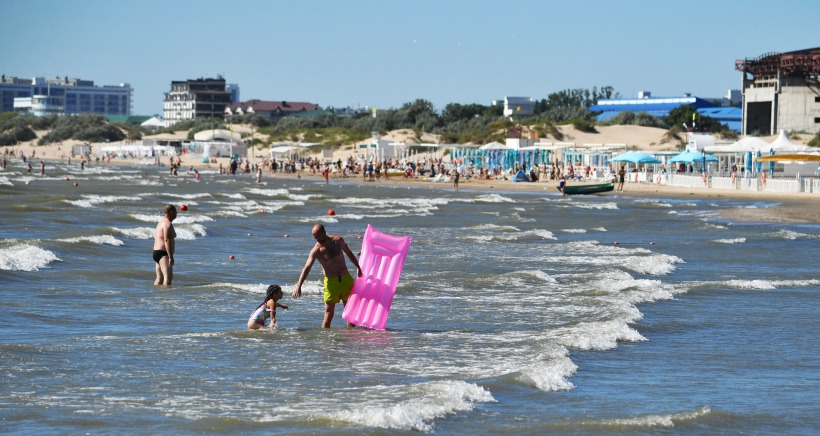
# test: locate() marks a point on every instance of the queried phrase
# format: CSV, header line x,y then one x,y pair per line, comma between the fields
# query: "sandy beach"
x,y
790,207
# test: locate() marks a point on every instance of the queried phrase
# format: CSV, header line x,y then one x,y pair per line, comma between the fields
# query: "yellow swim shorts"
x,y
338,288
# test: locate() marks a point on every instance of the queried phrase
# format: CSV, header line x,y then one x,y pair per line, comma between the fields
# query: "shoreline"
x,y
792,208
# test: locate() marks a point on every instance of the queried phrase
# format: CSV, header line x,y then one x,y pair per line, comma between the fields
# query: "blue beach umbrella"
x,y
771,164
748,162
758,165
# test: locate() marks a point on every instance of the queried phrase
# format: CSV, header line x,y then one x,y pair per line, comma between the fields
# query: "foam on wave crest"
x,y
100,240
658,420
93,200
731,241
771,284
429,401
25,257
602,335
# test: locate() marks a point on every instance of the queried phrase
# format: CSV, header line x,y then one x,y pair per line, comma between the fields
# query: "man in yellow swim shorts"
x,y
330,251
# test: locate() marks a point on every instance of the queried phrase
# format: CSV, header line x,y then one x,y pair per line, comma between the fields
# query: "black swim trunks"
x,y
159,254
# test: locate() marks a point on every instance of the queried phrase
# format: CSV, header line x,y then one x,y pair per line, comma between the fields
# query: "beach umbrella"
x,y
748,162
703,161
771,164
758,165
636,157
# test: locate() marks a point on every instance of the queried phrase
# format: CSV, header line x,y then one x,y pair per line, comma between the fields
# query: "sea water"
x,y
517,312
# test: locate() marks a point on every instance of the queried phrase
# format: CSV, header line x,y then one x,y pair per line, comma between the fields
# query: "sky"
x,y
386,53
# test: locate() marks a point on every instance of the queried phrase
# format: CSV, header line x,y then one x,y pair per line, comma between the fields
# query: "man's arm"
x,y
169,243
297,291
352,257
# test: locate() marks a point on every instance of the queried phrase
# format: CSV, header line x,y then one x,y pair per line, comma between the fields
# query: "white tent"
x,y
747,144
217,135
154,123
785,145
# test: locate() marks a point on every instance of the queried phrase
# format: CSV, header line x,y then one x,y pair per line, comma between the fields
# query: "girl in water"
x,y
267,310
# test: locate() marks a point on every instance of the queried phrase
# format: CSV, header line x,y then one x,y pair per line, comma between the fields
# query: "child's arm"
x,y
283,306
272,309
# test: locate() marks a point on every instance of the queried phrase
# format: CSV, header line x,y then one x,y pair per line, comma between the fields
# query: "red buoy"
x,y
183,207
331,212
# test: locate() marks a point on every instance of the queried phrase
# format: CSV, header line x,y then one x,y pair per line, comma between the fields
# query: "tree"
x,y
683,115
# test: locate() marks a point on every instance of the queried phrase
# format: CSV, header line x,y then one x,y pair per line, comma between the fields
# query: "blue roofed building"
x,y
660,107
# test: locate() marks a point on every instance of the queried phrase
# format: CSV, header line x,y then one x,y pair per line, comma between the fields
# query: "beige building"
x,y
781,91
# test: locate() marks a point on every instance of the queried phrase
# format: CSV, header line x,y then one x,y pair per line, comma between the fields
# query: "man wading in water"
x,y
164,246
330,251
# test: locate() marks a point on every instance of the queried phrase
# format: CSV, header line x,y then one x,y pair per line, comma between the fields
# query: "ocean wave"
x,y
185,196
656,420
792,235
180,219
771,284
190,232
25,257
267,192
493,228
601,335
136,233
274,205
511,236
186,232
101,239
488,198
429,401
93,200
5,181
730,241
552,376
596,206
574,230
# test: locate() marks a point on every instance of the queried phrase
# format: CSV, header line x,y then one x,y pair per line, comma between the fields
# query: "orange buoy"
x,y
286,235
616,242
75,184
66,179
231,258
331,212
183,207
250,234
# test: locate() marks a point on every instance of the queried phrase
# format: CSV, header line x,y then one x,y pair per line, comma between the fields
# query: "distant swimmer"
x,y
267,310
164,246
330,251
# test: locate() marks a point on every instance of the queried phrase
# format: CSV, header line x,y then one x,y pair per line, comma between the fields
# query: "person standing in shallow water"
x,y
164,246
330,251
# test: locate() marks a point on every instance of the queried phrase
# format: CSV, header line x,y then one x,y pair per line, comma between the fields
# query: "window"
x,y
816,120
817,99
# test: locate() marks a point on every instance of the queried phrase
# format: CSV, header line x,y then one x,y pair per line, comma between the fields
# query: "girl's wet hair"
x,y
273,290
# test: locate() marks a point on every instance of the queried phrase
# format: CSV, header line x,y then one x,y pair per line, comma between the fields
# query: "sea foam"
x,y
25,257
429,401
101,239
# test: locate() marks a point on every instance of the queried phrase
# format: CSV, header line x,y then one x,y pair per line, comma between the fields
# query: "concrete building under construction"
x,y
781,91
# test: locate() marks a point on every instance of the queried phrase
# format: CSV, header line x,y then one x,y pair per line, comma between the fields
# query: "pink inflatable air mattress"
x,y
382,261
